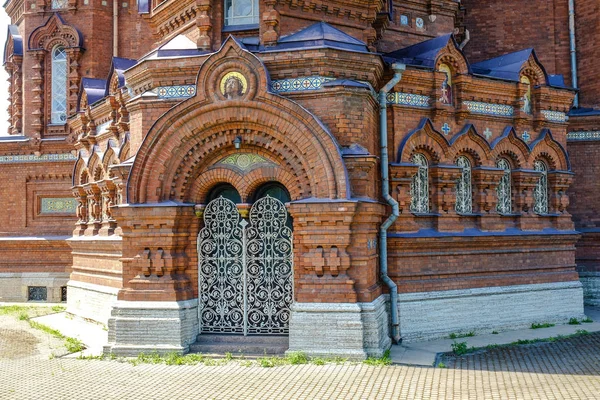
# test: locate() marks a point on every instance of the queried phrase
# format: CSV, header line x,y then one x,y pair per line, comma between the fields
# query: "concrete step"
x,y
240,345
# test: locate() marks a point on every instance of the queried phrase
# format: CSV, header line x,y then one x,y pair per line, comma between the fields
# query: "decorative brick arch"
x,y
180,144
545,147
510,145
424,139
41,42
452,56
468,141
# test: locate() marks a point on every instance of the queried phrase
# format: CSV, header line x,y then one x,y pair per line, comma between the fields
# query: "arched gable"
x,y
54,32
510,145
468,141
13,47
453,56
546,147
233,101
424,138
534,70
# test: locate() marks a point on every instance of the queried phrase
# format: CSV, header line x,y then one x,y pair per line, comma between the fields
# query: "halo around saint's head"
x,y
233,85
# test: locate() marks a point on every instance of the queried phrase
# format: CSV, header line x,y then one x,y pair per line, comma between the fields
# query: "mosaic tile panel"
x,y
299,84
478,107
583,135
58,205
33,158
555,116
176,92
244,161
408,99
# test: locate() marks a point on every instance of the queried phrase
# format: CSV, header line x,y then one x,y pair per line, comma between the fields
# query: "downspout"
x,y
573,50
385,186
115,28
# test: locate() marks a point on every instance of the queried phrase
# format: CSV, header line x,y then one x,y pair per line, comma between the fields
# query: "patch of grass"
x,y
317,361
494,332
541,325
460,348
441,365
587,320
461,335
574,321
297,357
58,309
385,359
581,332
492,346
13,310
47,329
74,345
23,316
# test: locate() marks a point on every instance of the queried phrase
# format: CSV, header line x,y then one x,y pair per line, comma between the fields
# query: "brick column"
x,y
524,182
443,196
485,198
558,183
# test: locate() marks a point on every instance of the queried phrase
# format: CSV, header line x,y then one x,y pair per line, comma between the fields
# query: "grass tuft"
x,y
574,321
385,359
461,335
541,325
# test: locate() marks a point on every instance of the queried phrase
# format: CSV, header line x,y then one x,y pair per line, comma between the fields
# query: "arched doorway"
x,y
245,266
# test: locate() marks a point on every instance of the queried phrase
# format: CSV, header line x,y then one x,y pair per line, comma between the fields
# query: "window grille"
x,y
464,195
503,190
59,86
58,4
419,187
241,12
540,192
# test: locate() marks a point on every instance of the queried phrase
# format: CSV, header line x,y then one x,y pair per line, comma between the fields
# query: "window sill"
x,y
239,28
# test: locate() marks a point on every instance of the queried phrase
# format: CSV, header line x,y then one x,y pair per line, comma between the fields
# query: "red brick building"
x,y
182,169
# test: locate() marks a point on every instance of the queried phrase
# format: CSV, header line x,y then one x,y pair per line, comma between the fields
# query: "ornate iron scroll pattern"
x,y
221,269
245,269
269,257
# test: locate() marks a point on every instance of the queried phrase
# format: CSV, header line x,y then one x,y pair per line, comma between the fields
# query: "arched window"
x,y
419,187
241,12
464,195
503,190
540,193
227,191
59,85
275,190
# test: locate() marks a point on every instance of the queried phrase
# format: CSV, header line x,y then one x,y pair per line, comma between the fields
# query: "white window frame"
x,y
419,186
464,190
230,7
59,81
540,192
504,188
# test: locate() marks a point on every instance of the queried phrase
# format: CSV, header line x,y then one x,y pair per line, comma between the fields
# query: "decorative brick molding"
x,y
409,99
502,110
32,158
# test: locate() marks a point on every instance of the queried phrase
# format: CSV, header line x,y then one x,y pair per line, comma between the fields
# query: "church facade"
x,y
342,174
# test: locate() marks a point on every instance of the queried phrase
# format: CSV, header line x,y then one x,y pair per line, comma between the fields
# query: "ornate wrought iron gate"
x,y
245,269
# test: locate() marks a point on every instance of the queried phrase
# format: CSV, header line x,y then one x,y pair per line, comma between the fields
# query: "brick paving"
x,y
568,369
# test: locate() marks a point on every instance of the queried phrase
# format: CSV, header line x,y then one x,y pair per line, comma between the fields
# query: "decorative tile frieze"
x,y
478,107
28,158
176,92
58,205
409,99
583,135
555,116
299,84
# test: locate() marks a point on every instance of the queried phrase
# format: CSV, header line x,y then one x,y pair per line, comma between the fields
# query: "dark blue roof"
x,y
93,88
120,65
557,81
422,54
507,66
13,32
584,112
320,34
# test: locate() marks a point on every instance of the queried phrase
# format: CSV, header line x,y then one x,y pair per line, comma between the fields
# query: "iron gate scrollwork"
x,y
245,278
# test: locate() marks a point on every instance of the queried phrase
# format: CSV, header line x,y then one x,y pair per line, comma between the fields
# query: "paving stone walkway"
x,y
568,369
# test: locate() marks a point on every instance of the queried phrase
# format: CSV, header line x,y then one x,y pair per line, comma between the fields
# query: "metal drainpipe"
x,y
383,260
115,28
573,50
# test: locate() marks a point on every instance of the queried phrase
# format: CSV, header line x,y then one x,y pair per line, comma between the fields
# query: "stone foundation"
x,y
89,301
591,288
164,327
431,315
352,330
14,286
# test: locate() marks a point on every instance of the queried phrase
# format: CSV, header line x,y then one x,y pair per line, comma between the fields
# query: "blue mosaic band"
x,y
30,158
299,84
176,92
477,107
409,99
555,116
583,135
